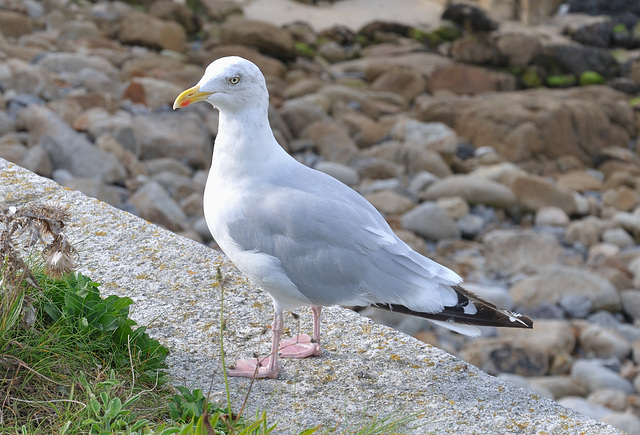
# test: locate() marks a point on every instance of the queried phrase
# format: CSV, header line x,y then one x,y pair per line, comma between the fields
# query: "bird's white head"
x,y
230,84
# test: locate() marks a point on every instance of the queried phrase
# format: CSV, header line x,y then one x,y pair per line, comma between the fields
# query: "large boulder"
x,y
579,122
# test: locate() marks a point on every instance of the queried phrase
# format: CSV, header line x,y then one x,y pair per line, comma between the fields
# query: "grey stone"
x,y
543,287
162,135
301,112
604,343
344,173
96,189
37,160
69,149
582,406
577,306
514,251
625,421
596,376
430,221
476,190
561,385
609,397
156,205
551,216
618,237
631,303
421,181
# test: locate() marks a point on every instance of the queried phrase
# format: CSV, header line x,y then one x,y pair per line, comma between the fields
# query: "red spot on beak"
x,y
185,103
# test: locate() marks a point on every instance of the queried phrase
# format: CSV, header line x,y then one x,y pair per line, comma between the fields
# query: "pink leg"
x,y
265,367
304,346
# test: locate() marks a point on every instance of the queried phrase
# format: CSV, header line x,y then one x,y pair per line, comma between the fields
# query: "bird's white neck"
x,y
245,142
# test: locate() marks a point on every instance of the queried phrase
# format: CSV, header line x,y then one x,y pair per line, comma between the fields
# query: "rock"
x,y
155,92
167,164
604,343
577,59
543,288
534,193
37,160
69,149
65,63
301,112
582,406
434,136
163,135
344,173
618,237
96,189
516,251
576,306
200,227
524,124
497,355
405,82
475,190
471,226
137,28
364,130
561,385
621,198
551,216
13,151
331,141
554,338
609,397
421,181
172,11
455,206
332,52
267,38
518,49
154,204
625,421
596,376
584,231
178,186
15,24
631,303
192,205
389,202
581,180
430,221
469,80
470,49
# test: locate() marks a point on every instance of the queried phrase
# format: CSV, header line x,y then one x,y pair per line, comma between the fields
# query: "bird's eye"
x,y
234,80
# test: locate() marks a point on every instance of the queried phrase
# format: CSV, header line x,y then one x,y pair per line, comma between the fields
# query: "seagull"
x,y
305,237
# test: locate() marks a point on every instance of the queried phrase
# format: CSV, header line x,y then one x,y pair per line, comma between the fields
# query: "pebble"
x,y
430,221
596,376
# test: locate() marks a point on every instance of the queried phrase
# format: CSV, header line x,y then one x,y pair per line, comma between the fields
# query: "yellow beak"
x,y
191,95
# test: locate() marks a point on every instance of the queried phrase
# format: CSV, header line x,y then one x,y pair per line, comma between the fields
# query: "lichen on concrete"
x,y
366,369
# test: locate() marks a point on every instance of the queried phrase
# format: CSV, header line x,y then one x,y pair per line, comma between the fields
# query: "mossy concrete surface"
x,y
366,370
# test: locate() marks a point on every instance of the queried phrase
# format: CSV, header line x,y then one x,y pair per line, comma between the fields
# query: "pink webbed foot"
x,y
299,347
254,368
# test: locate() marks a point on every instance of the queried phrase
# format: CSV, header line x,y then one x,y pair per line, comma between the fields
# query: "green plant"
x,y
590,78
108,413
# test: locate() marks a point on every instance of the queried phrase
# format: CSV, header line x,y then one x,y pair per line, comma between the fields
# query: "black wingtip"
x,y
487,314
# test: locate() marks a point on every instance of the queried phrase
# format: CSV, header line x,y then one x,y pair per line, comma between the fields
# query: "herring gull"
x,y
306,238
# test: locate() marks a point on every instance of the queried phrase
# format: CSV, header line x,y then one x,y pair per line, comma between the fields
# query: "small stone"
x,y
455,206
576,306
137,28
96,189
192,205
499,355
514,251
430,221
618,236
543,287
421,181
584,231
631,303
551,216
475,190
534,193
581,180
609,397
625,421
154,204
471,225
343,173
604,343
561,385
37,160
331,140
581,405
389,202
621,198
596,376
